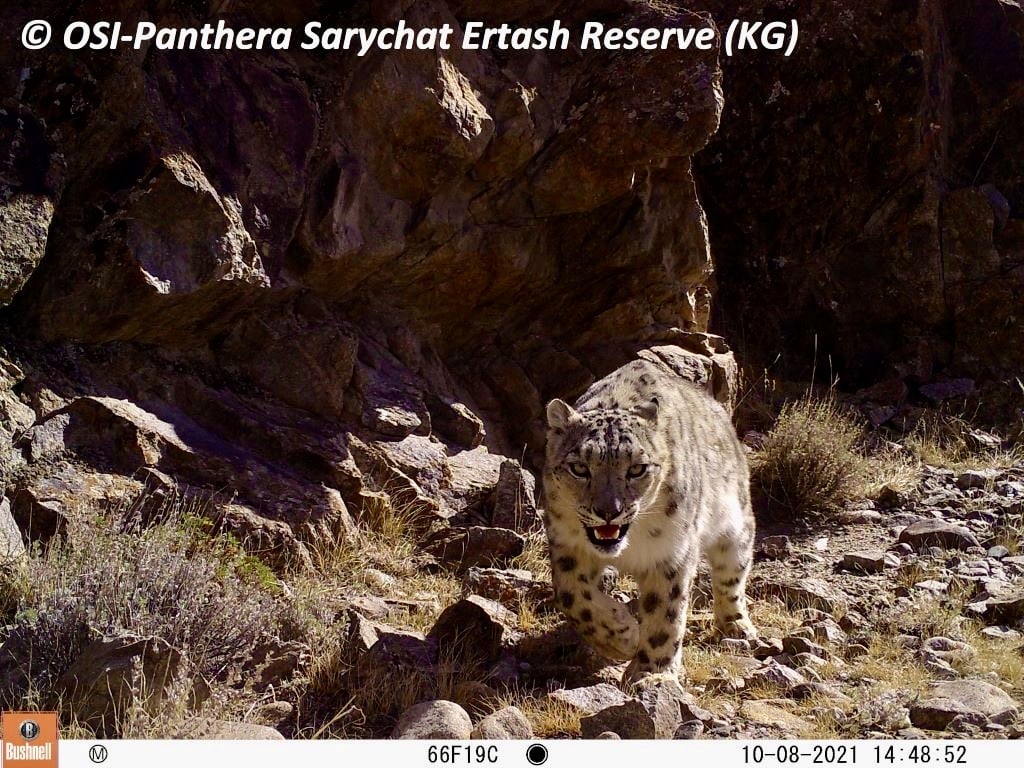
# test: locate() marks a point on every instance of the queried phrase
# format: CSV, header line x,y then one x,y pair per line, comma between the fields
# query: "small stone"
x,y
438,719
379,580
474,626
976,478
1005,607
114,673
1010,489
668,705
804,661
464,548
776,675
691,729
12,547
232,731
371,606
763,713
609,735
397,649
864,561
392,421
630,720
998,552
926,533
508,587
944,390
797,645
939,669
775,547
852,620
828,631
734,644
507,723
766,647
455,421
692,711
1002,633
590,699
726,685
514,505
932,585
907,733
859,516
891,497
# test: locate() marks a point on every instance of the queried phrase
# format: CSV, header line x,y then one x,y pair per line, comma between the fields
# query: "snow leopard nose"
x,y
608,509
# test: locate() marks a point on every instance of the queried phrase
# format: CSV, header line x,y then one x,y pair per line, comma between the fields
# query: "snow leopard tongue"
x,y
607,532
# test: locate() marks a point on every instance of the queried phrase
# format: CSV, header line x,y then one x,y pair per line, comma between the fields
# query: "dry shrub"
x,y
809,465
106,576
945,440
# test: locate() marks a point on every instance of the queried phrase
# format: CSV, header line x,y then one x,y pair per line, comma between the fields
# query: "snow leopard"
x,y
644,475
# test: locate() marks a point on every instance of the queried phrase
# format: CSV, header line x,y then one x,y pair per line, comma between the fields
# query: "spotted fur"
x,y
651,458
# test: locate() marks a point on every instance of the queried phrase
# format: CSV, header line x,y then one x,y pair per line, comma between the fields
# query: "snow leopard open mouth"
x,y
606,536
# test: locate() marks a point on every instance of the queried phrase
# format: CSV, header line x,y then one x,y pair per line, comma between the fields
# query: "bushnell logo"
x,y
29,730
29,740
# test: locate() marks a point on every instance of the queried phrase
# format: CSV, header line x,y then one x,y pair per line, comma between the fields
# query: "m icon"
x,y
98,753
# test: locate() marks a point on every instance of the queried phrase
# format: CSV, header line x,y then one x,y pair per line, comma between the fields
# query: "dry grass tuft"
x,y
889,666
386,541
1009,530
337,700
944,440
993,655
891,470
809,465
550,718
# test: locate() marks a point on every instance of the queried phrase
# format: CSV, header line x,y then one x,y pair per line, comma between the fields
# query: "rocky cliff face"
x,y
309,279
868,191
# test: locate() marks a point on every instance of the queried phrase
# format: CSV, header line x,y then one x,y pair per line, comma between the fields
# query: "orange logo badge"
x,y
29,740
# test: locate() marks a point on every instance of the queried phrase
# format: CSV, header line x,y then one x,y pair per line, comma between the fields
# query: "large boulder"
x,y
114,674
975,700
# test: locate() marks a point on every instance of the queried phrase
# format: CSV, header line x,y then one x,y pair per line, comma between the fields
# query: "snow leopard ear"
x,y
560,414
648,411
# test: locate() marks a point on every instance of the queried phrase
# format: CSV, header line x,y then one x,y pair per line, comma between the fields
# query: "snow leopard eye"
x,y
636,471
578,469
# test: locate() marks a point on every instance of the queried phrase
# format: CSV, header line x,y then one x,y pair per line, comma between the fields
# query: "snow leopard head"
x,y
602,470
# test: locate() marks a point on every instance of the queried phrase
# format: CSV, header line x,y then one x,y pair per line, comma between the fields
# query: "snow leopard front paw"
x,y
616,635
639,677
740,628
